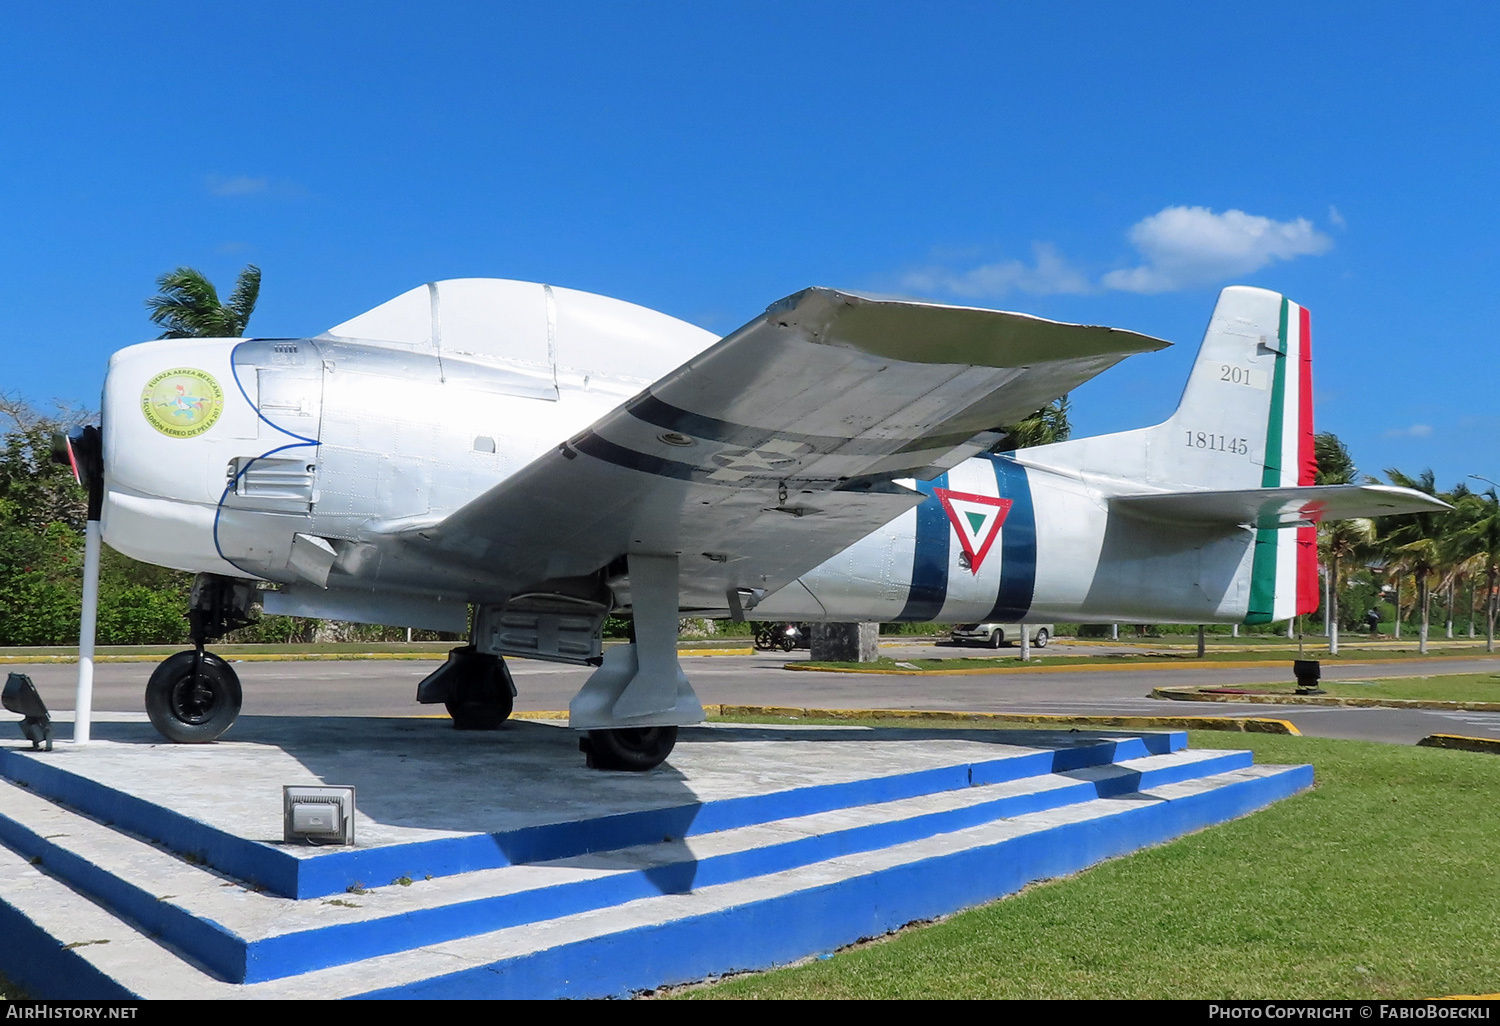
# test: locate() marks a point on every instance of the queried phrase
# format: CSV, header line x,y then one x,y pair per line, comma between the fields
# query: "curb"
x,y
1252,725
1243,724
1194,664
1461,743
1167,663
312,657
1190,693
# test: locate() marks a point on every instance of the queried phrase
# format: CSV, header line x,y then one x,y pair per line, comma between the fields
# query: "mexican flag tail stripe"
x,y
1307,466
1284,573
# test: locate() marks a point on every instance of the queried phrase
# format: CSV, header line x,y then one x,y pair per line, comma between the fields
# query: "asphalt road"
x,y
387,687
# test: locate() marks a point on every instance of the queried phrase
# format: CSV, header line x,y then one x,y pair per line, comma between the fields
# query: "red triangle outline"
x,y
1003,505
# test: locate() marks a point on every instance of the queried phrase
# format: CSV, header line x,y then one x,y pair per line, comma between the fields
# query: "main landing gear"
x,y
630,748
475,687
630,708
194,697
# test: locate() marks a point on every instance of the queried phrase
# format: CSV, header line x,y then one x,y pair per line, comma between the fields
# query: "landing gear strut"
x,y
631,707
194,697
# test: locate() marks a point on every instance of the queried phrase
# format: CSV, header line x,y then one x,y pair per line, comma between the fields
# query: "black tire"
x,y
1042,637
788,642
482,699
763,640
630,748
191,708
997,638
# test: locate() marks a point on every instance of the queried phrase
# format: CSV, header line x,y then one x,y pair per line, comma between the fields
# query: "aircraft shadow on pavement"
x,y
523,785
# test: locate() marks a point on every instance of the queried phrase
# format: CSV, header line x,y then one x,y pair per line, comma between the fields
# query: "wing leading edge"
x,y
778,446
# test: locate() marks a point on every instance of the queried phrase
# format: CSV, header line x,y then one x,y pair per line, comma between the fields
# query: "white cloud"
x,y
1050,275
1415,431
1334,217
235,185
1187,246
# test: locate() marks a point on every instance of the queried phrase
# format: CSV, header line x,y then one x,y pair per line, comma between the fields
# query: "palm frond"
x,y
242,300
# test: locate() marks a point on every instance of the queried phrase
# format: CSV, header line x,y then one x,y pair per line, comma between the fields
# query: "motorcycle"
x,y
785,636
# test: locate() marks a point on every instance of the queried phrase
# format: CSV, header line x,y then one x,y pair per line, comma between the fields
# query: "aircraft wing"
x,y
1278,507
777,447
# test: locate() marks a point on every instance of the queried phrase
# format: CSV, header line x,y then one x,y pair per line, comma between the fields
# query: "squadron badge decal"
x,y
183,402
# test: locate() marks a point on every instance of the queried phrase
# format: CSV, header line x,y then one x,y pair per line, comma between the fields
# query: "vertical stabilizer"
x,y
1244,421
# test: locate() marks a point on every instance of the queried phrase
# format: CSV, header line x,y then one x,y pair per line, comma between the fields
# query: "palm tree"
x,y
1483,532
1455,547
1340,540
188,306
1342,543
1414,543
1335,464
1045,426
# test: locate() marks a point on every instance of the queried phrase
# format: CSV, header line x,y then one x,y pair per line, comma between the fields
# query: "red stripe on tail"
x,y
1307,473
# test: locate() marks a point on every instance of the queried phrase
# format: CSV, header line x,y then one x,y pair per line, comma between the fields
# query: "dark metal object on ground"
x,y
1308,672
20,697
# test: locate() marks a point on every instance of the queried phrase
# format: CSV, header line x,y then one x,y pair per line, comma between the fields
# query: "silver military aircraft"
x,y
517,461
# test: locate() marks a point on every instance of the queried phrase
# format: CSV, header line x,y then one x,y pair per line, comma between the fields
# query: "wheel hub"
x,y
193,701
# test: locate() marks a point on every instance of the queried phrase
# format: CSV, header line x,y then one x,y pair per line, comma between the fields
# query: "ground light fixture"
x,y
20,697
317,815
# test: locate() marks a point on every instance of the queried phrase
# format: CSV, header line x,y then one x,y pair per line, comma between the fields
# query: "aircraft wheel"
x,y
481,699
997,638
1042,637
191,707
631,748
788,643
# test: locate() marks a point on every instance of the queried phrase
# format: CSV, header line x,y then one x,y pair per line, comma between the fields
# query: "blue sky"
x,y
1106,163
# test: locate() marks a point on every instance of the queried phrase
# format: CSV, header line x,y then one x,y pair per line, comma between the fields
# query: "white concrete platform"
x,y
495,864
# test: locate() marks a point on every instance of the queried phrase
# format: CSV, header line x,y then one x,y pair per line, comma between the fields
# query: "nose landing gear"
x,y
194,697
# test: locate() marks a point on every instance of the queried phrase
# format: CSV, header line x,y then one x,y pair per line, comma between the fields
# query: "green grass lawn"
x,y
1451,687
1380,882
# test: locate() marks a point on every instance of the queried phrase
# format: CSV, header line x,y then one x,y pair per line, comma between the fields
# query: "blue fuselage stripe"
x,y
1017,544
929,570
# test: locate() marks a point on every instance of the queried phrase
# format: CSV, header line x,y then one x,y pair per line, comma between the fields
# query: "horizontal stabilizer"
x,y
1278,507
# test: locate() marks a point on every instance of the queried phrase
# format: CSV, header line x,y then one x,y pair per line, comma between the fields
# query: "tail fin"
x,y
1245,418
1244,421
1250,395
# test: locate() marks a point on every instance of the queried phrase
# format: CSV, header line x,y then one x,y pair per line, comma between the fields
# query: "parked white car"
x,y
996,634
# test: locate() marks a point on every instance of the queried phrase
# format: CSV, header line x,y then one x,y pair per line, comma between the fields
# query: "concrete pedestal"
x,y
846,642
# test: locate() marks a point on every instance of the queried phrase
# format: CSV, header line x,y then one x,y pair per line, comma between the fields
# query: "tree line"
x,y
1415,559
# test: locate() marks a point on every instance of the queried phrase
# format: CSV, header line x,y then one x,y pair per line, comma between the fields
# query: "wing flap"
x,y
1278,507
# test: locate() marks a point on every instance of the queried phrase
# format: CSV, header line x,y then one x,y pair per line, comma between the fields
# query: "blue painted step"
x,y
742,929
334,872
644,872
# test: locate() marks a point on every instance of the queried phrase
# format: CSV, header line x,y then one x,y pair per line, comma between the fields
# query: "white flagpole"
x,y
83,703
